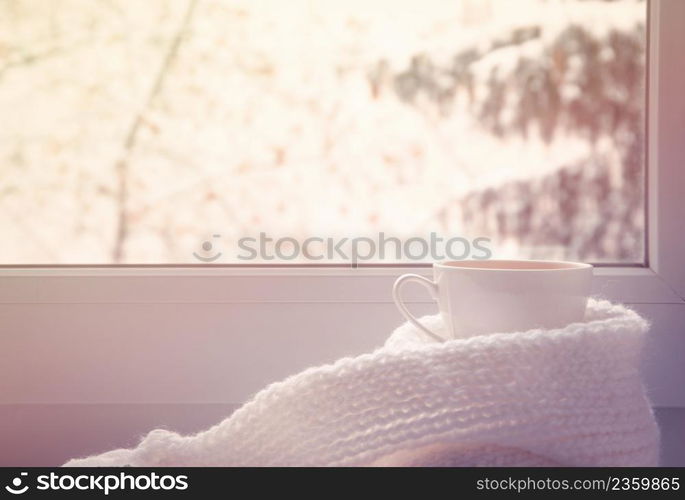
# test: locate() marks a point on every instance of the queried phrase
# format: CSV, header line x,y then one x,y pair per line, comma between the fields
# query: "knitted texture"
x,y
570,396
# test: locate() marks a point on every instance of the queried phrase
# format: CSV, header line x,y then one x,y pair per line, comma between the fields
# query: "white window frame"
x,y
31,298
662,281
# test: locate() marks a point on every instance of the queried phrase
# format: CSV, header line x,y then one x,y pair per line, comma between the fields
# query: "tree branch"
x,y
122,165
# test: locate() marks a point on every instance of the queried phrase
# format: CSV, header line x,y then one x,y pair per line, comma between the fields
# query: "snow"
x,y
265,120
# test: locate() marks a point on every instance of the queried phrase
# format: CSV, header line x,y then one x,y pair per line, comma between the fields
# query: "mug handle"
x,y
432,287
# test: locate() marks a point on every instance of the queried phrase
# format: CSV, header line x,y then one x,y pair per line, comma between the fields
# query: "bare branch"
x,y
122,166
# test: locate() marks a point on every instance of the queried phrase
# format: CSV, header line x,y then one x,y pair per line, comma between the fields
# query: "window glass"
x,y
316,131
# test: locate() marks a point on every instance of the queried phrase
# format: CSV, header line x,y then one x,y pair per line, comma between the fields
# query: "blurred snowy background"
x,y
131,130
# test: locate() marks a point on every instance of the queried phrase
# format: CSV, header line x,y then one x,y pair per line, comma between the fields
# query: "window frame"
x,y
227,331
660,281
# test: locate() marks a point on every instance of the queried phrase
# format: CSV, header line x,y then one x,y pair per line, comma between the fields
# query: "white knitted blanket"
x,y
570,397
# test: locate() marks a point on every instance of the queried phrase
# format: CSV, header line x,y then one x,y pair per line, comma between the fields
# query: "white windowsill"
x,y
268,285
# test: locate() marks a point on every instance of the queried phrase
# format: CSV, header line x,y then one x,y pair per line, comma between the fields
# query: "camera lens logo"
x,y
207,248
16,488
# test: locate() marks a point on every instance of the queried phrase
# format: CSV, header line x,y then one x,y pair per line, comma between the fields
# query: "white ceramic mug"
x,y
477,297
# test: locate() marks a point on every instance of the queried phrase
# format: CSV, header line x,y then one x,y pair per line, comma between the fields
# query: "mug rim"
x,y
482,265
